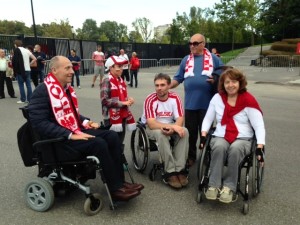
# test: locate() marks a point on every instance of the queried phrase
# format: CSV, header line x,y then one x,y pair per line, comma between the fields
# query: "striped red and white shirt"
x,y
163,111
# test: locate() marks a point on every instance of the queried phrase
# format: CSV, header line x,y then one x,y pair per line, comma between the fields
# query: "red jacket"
x,y
135,63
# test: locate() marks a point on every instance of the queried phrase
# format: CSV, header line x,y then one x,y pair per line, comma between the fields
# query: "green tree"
x,y
89,30
61,30
239,15
185,25
135,37
13,27
144,27
281,19
113,31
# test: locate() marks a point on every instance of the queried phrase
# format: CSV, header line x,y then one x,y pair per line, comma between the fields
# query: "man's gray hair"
x,y
54,62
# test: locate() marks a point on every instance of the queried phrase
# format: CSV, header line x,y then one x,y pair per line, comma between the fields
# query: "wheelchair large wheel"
x,y
93,204
39,195
203,163
257,176
139,148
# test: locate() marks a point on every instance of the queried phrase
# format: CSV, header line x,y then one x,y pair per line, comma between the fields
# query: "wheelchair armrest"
x,y
47,141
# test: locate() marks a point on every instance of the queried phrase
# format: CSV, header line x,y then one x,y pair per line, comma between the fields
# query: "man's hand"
x,y
93,125
210,79
167,130
82,136
202,142
171,129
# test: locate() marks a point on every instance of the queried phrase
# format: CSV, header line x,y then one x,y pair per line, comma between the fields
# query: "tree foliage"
x,y
236,21
281,19
144,27
61,30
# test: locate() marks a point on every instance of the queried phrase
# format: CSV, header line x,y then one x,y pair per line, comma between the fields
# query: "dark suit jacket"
x,y
18,63
42,118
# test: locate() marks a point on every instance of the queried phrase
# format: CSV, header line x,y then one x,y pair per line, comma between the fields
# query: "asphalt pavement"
x,y
278,92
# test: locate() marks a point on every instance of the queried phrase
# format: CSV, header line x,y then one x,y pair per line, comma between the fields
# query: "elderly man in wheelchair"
x,y
238,117
53,113
163,116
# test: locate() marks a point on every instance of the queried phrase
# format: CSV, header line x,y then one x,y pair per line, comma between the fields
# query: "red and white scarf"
x,y
61,104
243,100
119,92
207,64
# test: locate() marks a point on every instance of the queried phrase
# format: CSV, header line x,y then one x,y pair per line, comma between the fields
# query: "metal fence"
x,y
240,62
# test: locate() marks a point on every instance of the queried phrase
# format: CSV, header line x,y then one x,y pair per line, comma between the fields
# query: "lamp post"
x,y
260,54
34,27
73,32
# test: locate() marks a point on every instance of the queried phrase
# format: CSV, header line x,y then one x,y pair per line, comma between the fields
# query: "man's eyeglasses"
x,y
195,43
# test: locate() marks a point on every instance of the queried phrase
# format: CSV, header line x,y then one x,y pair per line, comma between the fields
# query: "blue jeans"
x,y
41,75
21,82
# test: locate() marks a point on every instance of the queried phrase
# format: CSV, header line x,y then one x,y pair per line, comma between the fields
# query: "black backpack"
x,y
25,143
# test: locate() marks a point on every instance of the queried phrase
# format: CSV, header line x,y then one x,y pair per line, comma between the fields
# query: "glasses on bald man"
x,y
195,43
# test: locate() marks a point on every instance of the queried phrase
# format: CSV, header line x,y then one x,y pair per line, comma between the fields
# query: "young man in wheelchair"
x,y
238,116
163,116
53,112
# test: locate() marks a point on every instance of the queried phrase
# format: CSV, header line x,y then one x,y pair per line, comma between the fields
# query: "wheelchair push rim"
x,y
139,148
257,176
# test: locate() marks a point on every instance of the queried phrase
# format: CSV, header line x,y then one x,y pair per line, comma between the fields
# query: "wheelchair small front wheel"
x,y
93,204
39,195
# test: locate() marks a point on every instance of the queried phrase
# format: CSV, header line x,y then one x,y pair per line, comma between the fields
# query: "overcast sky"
x,y
159,12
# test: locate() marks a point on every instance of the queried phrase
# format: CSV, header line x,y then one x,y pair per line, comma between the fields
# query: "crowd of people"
x,y
222,98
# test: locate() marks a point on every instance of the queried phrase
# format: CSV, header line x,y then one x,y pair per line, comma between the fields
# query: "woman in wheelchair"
x,y
53,112
238,116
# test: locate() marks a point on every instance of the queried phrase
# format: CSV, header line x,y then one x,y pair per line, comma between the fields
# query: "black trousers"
x,y
125,75
193,122
133,73
107,148
9,85
35,77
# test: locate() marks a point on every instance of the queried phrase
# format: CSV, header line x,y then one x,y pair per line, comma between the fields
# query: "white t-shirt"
x,y
125,57
163,111
26,58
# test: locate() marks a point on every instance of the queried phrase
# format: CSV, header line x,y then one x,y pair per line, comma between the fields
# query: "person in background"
x,y
21,66
214,51
34,73
41,60
238,117
6,75
195,71
134,69
99,58
75,60
125,73
164,119
53,116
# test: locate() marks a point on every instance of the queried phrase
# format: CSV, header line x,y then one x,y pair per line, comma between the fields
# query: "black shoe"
x,y
1,97
13,96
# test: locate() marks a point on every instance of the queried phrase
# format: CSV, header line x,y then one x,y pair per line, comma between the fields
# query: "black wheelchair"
x,y
56,176
142,146
250,167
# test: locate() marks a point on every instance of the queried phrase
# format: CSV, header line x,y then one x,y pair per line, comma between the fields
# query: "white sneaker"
x,y
211,193
79,87
226,195
20,102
